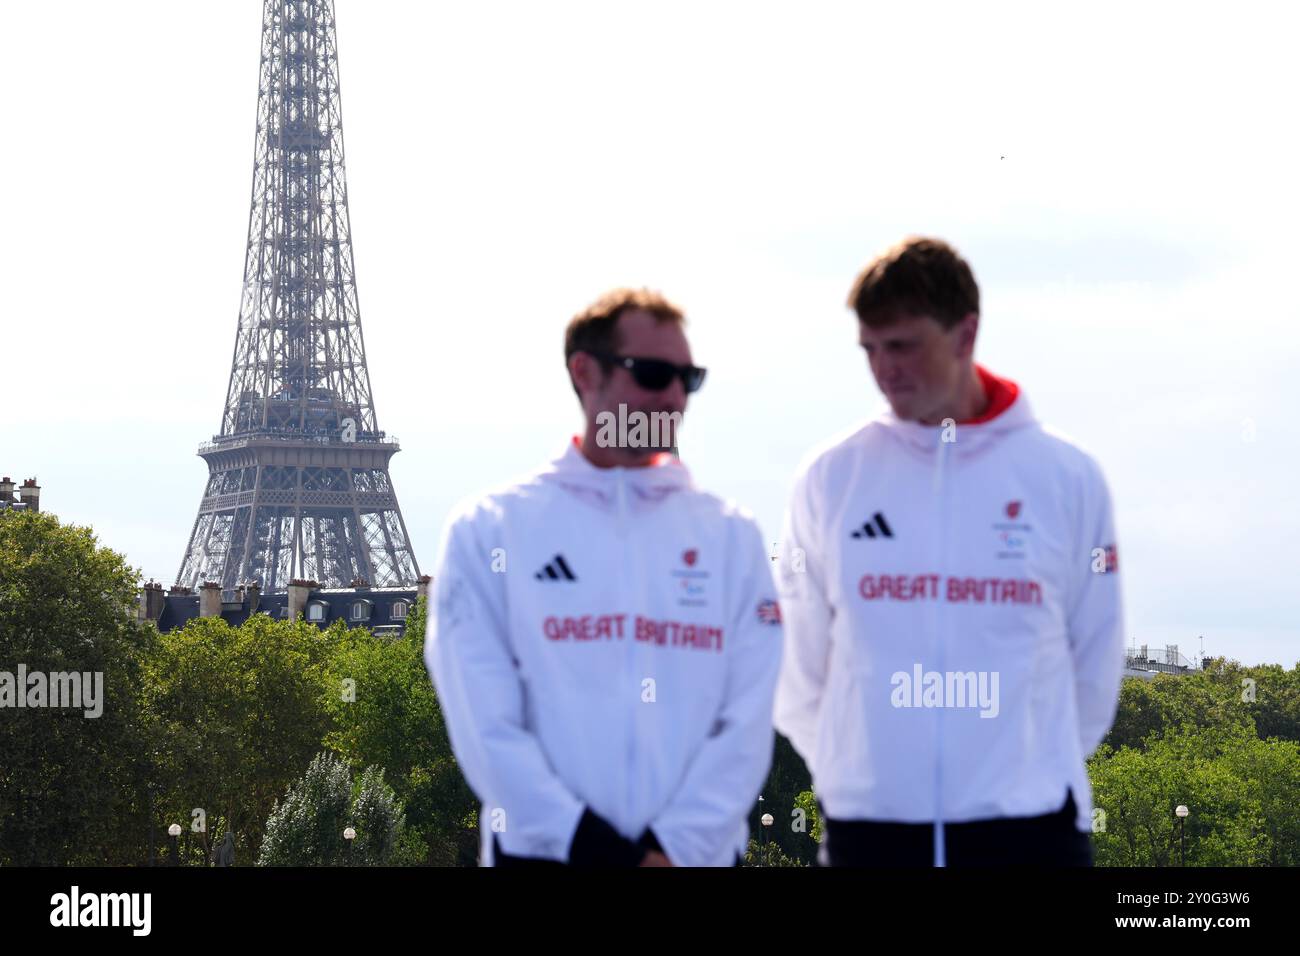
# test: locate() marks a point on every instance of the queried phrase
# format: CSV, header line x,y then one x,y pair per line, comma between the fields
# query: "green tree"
x,y
787,779
237,713
1273,700
807,802
1208,770
378,819
306,827
1270,770
384,711
1150,708
767,854
72,788
1265,697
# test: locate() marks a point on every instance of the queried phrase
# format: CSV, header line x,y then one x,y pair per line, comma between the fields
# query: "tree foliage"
x,y
307,827
72,787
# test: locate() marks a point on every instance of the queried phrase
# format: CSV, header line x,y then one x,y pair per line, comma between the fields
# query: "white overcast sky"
x,y
1121,177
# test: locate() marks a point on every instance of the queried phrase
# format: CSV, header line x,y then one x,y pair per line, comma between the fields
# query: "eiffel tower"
x,y
298,484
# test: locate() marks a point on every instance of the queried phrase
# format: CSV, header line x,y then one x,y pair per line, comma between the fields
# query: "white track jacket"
x,y
607,642
954,639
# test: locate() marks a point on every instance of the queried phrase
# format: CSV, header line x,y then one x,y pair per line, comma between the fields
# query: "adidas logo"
x,y
869,530
557,570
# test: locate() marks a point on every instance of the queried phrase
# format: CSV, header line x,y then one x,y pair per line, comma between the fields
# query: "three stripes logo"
x,y
557,570
876,527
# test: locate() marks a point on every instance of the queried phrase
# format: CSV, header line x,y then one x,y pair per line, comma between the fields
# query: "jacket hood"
x,y
605,488
1008,411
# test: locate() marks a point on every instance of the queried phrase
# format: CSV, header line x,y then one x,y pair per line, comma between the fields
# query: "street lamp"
x,y
174,831
349,835
1182,812
766,820
148,795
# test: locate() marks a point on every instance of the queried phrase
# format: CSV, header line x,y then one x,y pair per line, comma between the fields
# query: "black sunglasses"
x,y
655,374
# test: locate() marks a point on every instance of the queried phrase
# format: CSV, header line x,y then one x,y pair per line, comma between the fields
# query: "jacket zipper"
x,y
941,499
627,680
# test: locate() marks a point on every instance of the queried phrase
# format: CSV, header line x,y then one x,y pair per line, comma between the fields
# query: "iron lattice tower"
x,y
298,482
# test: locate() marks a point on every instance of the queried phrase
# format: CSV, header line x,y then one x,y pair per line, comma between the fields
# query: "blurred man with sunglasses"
x,y
951,588
606,637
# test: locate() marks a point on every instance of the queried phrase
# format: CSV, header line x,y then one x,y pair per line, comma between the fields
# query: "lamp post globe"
x,y
349,835
173,832
1181,811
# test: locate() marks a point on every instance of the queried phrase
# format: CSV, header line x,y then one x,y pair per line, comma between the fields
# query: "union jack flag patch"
x,y
769,612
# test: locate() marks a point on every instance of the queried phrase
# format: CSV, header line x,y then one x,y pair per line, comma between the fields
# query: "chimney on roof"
x,y
151,601
210,599
30,494
7,489
422,587
254,592
299,591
